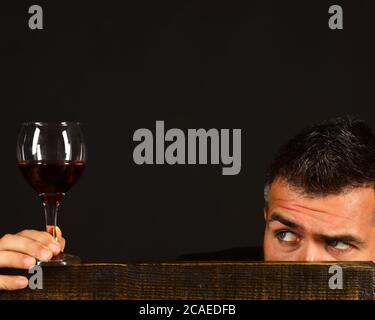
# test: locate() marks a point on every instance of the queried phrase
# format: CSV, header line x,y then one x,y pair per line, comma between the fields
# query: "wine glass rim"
x,y
46,123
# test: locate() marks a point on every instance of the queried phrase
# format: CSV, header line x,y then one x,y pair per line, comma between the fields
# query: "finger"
x,y
62,244
11,259
58,233
54,230
60,238
13,282
14,242
43,237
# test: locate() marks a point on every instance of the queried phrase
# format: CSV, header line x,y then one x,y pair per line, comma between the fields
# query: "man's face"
x,y
335,227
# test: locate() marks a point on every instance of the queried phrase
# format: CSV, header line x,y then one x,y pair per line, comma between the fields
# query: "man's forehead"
x,y
354,204
312,221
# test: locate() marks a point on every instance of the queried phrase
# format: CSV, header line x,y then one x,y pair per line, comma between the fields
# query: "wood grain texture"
x,y
201,280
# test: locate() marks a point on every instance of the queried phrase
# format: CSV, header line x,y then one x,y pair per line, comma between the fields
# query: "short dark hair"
x,y
327,158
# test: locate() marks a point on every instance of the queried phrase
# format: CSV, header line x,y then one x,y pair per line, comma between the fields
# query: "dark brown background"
x,y
267,67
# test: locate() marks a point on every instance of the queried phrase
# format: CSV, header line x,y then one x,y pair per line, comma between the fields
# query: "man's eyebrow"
x,y
347,238
278,217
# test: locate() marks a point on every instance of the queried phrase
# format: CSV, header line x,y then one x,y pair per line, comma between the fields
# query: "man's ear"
x,y
265,213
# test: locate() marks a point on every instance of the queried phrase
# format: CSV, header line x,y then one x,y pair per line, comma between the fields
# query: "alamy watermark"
x,y
336,20
36,278
36,18
337,280
189,148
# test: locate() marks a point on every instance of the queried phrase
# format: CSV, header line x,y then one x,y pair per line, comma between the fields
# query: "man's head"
x,y
320,195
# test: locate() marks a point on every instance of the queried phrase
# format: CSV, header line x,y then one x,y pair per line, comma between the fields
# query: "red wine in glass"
x,y
52,157
51,177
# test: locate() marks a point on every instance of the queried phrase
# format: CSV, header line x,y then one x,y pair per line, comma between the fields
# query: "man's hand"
x,y
21,251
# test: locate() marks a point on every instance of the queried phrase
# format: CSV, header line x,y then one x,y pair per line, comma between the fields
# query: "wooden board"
x,y
201,280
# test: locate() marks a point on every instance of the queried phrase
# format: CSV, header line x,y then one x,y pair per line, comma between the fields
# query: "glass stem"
x,y
50,211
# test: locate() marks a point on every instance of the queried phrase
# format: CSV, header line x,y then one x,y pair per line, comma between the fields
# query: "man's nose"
x,y
313,252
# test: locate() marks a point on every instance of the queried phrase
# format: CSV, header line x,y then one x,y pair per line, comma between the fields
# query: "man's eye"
x,y
339,245
287,236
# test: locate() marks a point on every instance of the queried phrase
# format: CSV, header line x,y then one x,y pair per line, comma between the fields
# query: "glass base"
x,y
62,259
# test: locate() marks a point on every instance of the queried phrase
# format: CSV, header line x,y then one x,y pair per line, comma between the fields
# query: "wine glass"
x,y
51,157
